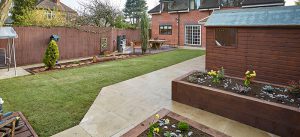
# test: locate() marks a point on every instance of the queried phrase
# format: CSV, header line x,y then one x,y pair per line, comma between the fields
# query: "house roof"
x,y
156,9
50,4
260,2
209,4
181,5
177,5
253,17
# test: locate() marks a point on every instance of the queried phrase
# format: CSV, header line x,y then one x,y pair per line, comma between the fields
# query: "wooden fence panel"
x,y
74,42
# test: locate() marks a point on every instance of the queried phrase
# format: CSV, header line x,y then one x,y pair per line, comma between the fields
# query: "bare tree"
x,y
98,12
4,9
297,2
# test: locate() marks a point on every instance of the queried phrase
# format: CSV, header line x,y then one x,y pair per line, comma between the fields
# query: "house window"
x,y
167,5
231,3
195,4
193,35
165,29
226,36
50,14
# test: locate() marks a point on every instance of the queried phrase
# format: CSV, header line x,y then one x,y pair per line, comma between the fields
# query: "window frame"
x,y
192,35
168,33
51,14
230,45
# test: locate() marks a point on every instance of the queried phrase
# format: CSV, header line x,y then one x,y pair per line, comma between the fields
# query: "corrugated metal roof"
x,y
7,33
267,16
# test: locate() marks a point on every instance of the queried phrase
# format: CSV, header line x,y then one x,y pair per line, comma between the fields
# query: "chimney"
x,y
57,1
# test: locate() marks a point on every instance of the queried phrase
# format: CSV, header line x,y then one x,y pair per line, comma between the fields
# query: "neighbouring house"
x,y
51,7
181,22
266,40
47,10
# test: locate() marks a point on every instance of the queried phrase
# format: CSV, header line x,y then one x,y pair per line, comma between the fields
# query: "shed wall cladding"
x,y
273,52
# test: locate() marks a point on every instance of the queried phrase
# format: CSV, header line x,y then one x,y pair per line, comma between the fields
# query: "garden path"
x,y
122,106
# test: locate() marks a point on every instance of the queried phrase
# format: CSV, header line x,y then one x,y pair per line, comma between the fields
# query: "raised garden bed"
x,y
195,129
81,63
265,106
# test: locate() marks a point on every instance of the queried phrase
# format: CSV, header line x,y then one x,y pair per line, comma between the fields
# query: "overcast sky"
x,y
120,3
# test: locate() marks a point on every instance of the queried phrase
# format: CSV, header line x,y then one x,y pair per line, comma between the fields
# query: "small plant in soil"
x,y
249,75
294,88
284,95
182,126
241,89
215,76
268,88
154,127
169,127
221,74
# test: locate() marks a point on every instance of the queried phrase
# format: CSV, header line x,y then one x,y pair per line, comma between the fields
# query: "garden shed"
x,y
8,54
263,39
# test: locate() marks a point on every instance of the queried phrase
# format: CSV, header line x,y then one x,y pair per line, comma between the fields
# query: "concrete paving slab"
x,y
76,131
5,74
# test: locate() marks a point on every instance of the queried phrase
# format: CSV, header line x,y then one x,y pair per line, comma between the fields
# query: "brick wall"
x,y
273,52
190,18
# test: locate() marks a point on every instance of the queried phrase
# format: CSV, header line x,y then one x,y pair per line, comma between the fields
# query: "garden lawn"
x,y
55,101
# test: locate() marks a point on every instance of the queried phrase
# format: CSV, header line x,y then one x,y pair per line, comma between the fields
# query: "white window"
x,y
193,35
50,14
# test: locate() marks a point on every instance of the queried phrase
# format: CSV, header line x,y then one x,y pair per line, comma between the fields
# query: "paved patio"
x,y
4,74
164,48
120,107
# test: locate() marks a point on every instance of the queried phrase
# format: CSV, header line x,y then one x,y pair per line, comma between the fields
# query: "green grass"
x,y
55,101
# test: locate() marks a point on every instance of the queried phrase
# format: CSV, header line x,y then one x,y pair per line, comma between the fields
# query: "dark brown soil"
x,y
196,132
80,63
261,91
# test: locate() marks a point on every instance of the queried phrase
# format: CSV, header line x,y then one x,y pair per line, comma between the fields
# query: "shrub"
x,y
182,126
144,32
51,55
294,88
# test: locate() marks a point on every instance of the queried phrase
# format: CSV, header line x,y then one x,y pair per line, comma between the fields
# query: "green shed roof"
x,y
252,17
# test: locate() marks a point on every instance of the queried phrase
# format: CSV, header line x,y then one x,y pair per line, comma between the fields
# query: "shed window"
x,y
165,29
226,36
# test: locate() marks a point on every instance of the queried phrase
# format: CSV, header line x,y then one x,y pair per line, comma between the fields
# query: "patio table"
x,y
156,43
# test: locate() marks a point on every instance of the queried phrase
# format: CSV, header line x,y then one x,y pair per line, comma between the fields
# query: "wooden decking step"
x,y
26,130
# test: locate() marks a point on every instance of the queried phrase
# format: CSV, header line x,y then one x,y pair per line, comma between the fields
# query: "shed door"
x,y
193,35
